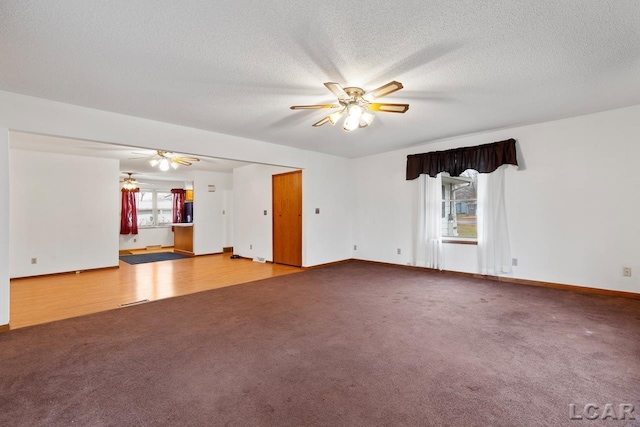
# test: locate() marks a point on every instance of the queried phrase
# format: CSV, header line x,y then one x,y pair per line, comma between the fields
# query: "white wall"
x,y
209,234
153,236
4,226
252,233
228,217
571,206
327,234
63,236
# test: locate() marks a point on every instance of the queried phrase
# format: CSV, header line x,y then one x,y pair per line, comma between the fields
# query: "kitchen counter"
x,y
183,238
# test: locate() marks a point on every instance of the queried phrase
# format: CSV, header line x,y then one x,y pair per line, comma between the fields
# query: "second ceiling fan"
x,y
357,105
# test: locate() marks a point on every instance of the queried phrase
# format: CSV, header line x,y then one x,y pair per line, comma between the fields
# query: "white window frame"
x,y
154,208
446,200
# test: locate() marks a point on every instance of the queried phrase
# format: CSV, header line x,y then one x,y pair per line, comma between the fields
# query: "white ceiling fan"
x,y
165,160
357,105
129,183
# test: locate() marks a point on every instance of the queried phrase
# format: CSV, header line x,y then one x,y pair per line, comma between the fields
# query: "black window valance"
x,y
484,158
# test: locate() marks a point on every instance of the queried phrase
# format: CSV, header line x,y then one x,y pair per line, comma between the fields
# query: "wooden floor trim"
x,y
329,264
66,272
574,288
513,280
181,252
266,261
212,253
4,328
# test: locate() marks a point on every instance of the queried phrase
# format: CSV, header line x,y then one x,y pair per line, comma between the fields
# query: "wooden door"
x,y
287,218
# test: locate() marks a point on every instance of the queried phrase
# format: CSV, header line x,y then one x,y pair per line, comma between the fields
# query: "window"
x,y
459,205
155,208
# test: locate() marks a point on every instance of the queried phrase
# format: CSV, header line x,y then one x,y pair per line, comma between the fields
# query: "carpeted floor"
x,y
348,345
152,257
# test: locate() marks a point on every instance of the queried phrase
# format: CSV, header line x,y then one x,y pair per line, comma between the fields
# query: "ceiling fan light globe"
x,y
174,165
334,117
163,165
153,162
366,119
350,123
354,110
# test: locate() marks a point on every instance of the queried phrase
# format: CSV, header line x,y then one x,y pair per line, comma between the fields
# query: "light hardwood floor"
x,y
37,300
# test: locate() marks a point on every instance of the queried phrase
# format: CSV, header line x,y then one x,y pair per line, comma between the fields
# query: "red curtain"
x,y
129,212
179,196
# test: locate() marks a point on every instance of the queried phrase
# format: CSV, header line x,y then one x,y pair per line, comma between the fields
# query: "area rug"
x,y
154,257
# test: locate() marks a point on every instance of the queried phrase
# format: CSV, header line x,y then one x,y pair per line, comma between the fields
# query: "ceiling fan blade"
x,y
314,107
321,122
181,161
389,108
186,159
384,90
338,91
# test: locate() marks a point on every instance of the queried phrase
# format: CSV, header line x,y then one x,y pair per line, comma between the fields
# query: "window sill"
x,y
460,241
150,227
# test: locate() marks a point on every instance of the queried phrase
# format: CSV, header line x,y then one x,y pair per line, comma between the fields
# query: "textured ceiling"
x,y
236,66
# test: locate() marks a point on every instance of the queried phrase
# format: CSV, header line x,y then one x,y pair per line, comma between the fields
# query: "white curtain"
x,y
427,223
494,251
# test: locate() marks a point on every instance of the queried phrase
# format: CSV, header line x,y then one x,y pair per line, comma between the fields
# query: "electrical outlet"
x,y
224,212
34,260
250,246
265,212
355,247
399,251
514,262
135,240
626,271
317,210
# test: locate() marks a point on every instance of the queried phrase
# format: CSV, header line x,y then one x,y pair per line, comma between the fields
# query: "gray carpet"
x,y
348,345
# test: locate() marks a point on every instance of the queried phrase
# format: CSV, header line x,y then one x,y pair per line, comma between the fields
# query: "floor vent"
x,y
129,304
